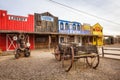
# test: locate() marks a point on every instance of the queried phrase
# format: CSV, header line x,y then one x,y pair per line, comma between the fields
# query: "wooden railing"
x,y
110,51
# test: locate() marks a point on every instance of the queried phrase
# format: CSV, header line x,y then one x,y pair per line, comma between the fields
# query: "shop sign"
x,y
47,18
86,27
97,28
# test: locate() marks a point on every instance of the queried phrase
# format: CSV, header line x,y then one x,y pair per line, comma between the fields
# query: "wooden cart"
x,y
68,53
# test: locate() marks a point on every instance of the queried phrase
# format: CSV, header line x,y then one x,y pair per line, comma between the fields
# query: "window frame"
x,y
66,26
61,26
74,26
78,25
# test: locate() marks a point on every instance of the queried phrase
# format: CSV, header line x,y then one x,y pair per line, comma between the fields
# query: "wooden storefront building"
x,y
75,32
46,25
45,30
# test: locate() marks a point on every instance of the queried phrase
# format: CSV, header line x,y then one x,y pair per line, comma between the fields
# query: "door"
x,y
10,43
54,41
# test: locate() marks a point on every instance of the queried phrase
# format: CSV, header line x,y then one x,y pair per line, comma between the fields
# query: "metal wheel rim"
x,y
17,56
93,61
70,61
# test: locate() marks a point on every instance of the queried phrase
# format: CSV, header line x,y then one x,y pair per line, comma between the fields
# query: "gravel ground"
x,y
41,65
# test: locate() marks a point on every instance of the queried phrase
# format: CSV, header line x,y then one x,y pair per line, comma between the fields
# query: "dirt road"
x,y
41,65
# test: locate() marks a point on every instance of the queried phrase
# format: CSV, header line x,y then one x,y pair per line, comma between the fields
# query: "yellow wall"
x,y
86,27
99,41
97,30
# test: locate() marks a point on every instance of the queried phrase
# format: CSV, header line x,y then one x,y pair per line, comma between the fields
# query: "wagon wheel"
x,y
93,61
17,53
67,60
57,53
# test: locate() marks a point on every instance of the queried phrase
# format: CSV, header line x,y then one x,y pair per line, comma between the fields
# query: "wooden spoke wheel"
x,y
57,53
93,60
17,56
17,53
68,59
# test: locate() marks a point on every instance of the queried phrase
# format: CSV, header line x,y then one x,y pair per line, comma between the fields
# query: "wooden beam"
x,y
49,44
112,54
102,52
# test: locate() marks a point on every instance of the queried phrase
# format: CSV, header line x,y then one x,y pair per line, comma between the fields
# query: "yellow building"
x,y
97,29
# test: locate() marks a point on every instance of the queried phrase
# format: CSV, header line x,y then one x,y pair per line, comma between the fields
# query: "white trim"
x,y
8,38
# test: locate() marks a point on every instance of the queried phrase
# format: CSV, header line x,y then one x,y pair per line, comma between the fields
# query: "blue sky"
x,y
107,9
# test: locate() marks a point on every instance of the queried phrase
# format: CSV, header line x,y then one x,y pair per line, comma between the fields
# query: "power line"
x,y
85,12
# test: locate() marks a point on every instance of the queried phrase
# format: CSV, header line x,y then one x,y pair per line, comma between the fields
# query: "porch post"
x,y
49,42
96,40
88,40
7,42
76,39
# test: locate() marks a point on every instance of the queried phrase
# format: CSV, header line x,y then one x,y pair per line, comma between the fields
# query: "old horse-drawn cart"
x,y
68,53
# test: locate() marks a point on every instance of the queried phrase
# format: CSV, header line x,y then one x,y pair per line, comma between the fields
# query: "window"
x,y
38,23
61,26
61,39
66,26
74,27
71,39
95,39
41,39
78,26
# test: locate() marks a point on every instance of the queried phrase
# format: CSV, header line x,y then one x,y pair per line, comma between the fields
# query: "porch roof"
x,y
47,33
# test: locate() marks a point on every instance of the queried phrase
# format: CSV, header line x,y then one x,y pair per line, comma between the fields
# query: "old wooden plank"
x,y
112,54
85,55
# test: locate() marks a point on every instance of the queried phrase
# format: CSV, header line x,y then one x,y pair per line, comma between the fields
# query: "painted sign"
x,y
86,27
85,32
47,18
97,29
64,31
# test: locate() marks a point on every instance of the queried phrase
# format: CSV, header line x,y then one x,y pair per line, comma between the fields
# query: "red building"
x,y
13,24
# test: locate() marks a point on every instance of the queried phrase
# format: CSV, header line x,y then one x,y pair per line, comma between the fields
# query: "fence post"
x,y
102,52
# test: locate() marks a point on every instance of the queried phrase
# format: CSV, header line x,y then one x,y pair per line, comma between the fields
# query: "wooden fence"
x,y
111,51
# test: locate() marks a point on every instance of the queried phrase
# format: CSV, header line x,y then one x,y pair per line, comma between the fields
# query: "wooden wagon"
x,y
68,53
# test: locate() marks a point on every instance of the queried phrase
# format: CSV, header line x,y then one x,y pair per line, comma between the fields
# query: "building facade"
x,y
97,29
45,30
11,25
46,25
